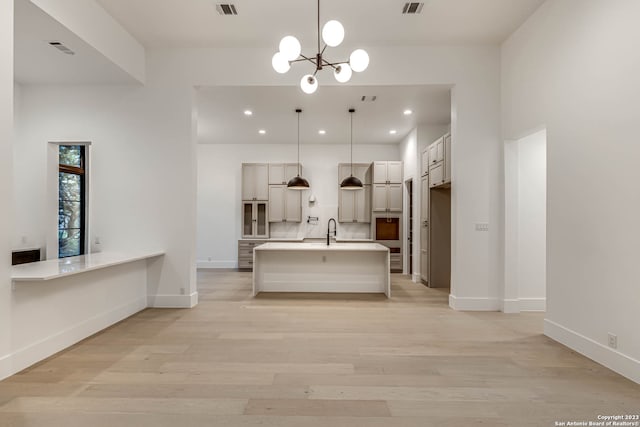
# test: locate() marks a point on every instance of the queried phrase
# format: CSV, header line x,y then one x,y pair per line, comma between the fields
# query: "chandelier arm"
x,y
323,49
331,64
300,59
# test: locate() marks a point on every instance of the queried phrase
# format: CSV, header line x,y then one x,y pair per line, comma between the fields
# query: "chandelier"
x,y
332,35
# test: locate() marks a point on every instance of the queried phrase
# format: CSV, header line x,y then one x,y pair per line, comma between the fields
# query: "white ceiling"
x,y
195,23
36,62
221,117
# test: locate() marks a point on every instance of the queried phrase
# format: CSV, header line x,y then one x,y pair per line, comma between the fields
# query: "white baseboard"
x,y
474,304
533,304
172,301
524,304
612,359
35,352
216,264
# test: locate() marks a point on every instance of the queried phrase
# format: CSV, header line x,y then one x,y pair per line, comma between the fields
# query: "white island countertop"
x,y
55,268
318,246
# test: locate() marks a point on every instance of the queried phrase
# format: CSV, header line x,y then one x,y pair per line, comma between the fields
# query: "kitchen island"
x,y
316,267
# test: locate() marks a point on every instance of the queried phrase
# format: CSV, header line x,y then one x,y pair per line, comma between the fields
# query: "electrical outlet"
x,y
613,340
482,226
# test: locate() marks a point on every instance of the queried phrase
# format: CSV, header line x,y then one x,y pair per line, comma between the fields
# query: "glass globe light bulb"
x,y
359,60
280,63
290,48
308,84
342,73
333,33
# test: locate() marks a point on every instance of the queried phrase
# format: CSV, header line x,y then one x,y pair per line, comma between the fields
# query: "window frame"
x,y
81,172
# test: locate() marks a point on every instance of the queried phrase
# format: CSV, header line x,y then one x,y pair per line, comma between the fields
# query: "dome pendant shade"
x,y
298,183
351,183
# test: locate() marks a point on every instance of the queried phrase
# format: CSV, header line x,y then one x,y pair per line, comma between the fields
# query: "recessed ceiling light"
x,y
393,131
248,112
408,112
262,131
322,131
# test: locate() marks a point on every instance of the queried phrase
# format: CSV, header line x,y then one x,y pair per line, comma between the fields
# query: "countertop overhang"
x,y
56,268
317,246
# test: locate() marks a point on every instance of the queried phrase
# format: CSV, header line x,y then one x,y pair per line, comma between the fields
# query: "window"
x,y
71,201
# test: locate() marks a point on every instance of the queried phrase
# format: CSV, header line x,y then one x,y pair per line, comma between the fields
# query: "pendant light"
x,y
297,182
351,182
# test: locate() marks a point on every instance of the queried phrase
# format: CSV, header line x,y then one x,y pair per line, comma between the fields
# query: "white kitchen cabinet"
x,y
424,229
387,197
255,181
281,173
285,205
436,174
436,151
255,222
447,158
362,171
355,205
424,162
387,172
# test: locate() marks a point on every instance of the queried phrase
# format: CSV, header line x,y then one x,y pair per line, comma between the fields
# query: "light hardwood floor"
x,y
296,360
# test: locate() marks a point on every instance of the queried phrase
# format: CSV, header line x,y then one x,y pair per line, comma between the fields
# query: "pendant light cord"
x,y
318,27
298,144
351,118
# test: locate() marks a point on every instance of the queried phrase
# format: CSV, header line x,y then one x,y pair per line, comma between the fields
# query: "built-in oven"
x,y
387,230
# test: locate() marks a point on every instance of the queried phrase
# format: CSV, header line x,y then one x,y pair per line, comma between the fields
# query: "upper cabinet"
x,y
440,162
362,171
387,198
355,205
389,172
285,205
255,181
424,162
281,173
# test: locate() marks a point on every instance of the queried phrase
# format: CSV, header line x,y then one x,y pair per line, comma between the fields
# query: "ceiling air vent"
x,y
61,47
412,8
365,98
226,9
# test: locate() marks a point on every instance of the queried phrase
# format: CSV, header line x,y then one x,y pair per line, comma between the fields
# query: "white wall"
x,y
6,137
573,67
473,73
219,192
525,223
140,171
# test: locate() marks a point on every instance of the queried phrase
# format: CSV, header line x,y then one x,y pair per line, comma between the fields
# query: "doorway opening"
x,y
409,184
525,223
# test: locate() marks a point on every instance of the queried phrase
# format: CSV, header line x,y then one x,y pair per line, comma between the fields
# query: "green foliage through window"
x,y
71,205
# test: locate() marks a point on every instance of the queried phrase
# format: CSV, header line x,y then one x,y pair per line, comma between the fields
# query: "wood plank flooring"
x,y
315,360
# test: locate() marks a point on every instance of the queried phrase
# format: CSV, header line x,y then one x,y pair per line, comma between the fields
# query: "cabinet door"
x,y
379,197
436,175
344,170
363,204
394,172
346,205
247,219
424,162
290,171
424,198
424,229
261,181
276,203
248,179
363,173
447,158
276,173
261,219
293,205
394,197
380,173
440,150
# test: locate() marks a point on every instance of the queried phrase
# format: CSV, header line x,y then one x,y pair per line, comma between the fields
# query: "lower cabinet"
x,y
245,253
255,222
